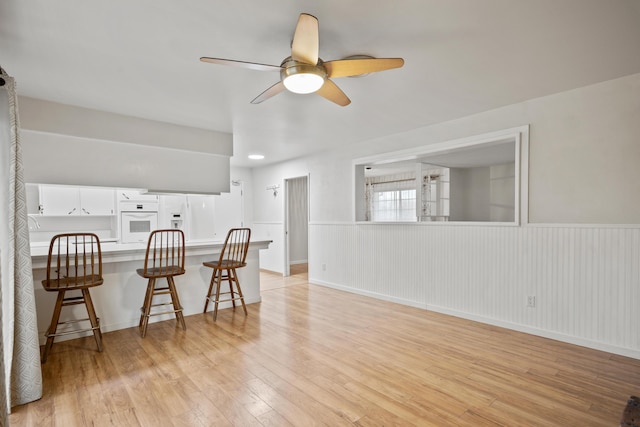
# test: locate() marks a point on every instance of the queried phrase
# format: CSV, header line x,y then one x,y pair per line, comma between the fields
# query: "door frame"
x,y
287,245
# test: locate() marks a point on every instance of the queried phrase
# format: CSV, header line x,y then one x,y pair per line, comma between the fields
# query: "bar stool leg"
x,y
146,309
231,293
219,281
144,304
176,302
235,279
213,279
95,323
54,326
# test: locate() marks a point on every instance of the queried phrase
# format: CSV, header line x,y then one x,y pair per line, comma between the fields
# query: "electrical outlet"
x,y
531,301
324,267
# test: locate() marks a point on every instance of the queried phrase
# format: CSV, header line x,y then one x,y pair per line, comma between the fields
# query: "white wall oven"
x,y
137,220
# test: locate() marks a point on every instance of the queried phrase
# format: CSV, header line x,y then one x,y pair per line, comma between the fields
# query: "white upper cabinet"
x,y
134,195
97,201
58,200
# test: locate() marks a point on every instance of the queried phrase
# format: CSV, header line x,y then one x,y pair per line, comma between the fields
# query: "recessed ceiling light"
x,y
256,156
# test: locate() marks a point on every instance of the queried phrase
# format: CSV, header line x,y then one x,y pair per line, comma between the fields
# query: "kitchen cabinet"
x,y
57,200
133,195
97,201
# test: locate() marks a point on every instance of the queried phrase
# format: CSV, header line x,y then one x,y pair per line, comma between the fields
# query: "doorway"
x,y
296,224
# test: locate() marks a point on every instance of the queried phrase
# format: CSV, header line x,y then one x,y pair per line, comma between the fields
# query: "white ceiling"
x,y
141,58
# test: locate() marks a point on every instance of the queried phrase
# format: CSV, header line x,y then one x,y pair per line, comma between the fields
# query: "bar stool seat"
x,y
74,263
232,257
164,259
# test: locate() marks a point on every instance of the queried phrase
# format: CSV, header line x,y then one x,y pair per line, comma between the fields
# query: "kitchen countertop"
x,y
119,252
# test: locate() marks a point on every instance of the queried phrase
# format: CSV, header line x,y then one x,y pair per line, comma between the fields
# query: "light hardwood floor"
x,y
309,355
270,280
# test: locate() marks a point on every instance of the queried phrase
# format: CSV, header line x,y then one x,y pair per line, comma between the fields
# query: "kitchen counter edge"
x,y
122,252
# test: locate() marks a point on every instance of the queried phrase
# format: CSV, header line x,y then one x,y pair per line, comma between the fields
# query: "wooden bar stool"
x,y
74,263
164,258
232,257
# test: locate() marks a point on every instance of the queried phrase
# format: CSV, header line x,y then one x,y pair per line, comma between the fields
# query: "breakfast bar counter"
x,y
118,300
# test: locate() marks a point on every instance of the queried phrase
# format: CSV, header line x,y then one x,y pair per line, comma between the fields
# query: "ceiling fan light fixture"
x,y
302,78
303,83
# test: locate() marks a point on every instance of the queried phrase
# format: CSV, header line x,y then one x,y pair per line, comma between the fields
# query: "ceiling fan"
x,y
304,72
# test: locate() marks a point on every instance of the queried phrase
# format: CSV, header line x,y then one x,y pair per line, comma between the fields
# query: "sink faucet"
x,y
37,224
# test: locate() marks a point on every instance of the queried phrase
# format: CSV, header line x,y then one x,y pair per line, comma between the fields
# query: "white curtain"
x,y
20,351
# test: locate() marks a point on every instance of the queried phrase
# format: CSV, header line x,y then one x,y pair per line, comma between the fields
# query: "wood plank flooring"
x,y
309,355
270,280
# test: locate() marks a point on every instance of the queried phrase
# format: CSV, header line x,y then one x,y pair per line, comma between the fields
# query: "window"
x,y
391,198
395,205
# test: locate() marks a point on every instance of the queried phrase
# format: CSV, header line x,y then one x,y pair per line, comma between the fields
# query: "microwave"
x,y
137,221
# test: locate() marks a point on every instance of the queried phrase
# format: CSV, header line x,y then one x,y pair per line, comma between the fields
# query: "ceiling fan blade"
x,y
306,41
269,93
241,64
355,67
333,93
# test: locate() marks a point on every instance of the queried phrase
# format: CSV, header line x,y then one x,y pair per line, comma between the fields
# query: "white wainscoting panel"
x,y
585,279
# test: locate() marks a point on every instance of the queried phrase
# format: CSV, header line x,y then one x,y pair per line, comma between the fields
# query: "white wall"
x,y
583,154
483,193
478,194
501,189
470,194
